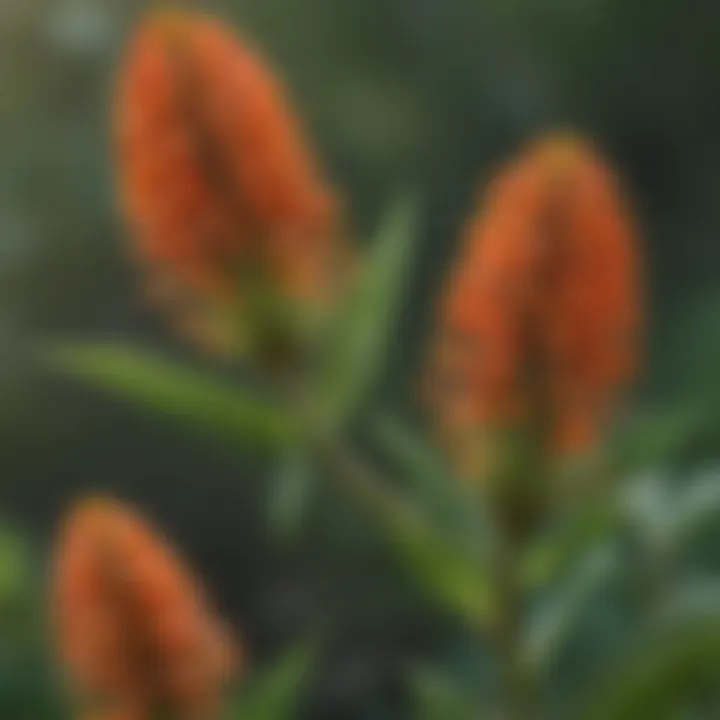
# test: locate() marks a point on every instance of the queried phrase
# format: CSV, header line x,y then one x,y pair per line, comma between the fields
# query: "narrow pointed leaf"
x,y
554,622
357,348
457,578
158,384
443,499
560,550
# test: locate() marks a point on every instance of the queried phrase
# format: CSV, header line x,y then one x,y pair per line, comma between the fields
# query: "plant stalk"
x,y
516,683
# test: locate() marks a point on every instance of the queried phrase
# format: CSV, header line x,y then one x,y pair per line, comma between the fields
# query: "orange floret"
x,y
136,631
214,174
540,318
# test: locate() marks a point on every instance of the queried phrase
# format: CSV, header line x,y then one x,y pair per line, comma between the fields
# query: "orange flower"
x,y
215,178
135,629
540,319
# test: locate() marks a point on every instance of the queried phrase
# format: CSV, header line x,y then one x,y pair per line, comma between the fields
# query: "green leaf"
x,y
669,515
457,578
559,550
15,567
696,506
291,496
655,679
666,516
277,692
461,583
19,588
442,497
357,347
162,386
554,621
645,502
421,465
438,696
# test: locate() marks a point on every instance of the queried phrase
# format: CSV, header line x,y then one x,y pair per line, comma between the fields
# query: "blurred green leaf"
x,y
162,386
421,465
554,621
291,495
697,506
437,696
669,514
667,517
449,571
444,500
277,691
460,582
645,502
663,670
357,347
560,549
20,588
15,567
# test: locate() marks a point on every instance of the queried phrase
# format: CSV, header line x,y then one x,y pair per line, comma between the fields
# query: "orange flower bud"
x,y
215,178
135,628
540,319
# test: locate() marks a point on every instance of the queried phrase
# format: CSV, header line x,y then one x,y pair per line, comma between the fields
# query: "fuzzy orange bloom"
x,y
135,628
541,316
214,174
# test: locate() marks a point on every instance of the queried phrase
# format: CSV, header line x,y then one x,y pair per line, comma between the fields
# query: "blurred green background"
x,y
427,94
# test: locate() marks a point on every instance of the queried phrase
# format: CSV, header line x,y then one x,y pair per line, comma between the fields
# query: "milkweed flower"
x,y
134,626
219,188
540,318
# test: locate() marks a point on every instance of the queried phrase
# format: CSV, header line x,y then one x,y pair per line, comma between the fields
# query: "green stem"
x,y
361,480
517,688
